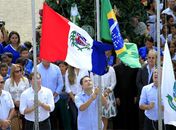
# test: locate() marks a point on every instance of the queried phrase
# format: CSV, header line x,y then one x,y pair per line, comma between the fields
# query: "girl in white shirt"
x,y
108,82
72,85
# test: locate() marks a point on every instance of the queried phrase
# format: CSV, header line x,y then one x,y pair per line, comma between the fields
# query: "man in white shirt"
x,y
6,107
52,79
45,105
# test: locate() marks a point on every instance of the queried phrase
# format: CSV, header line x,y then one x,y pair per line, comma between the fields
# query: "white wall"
x,y
17,15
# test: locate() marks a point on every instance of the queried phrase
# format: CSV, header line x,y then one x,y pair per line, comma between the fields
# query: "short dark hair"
x,y
22,61
149,38
61,62
3,65
81,80
9,54
28,44
23,48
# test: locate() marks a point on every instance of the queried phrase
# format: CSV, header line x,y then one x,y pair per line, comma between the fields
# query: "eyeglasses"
x,y
18,71
2,82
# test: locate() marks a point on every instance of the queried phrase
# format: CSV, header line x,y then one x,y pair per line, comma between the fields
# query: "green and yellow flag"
x,y
104,25
127,53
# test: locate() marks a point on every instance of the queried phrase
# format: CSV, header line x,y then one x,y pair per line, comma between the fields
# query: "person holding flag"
x,y
72,87
108,82
87,104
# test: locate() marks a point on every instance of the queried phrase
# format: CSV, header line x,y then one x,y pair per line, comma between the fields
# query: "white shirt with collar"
x,y
45,95
150,73
6,104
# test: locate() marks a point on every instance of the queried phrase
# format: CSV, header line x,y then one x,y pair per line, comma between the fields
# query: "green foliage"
x,y
61,6
87,10
128,9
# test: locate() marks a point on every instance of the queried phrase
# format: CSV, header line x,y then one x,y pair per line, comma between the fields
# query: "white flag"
x,y
168,89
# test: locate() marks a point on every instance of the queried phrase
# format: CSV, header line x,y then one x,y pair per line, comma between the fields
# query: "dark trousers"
x,y
65,119
141,119
43,125
151,125
74,114
170,127
54,117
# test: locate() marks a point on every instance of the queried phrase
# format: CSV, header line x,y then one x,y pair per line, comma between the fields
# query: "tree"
x,y
127,9
86,9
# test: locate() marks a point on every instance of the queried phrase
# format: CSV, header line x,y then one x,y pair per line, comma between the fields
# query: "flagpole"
x,y
35,65
159,66
98,19
99,77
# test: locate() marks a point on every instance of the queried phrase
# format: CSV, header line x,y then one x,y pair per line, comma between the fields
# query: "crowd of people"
x,y
68,96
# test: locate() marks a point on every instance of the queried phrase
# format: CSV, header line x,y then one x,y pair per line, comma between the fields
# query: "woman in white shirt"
x,y
108,82
16,84
72,85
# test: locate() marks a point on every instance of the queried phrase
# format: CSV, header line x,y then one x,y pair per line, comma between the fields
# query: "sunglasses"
x,y
18,71
2,82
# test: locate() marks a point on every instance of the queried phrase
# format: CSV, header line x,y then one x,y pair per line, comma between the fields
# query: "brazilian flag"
x,y
127,53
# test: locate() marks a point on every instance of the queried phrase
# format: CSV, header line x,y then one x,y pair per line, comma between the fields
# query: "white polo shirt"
x,y
45,95
6,104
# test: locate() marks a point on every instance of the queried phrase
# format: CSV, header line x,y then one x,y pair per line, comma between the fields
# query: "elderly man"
x,y
45,102
6,107
144,77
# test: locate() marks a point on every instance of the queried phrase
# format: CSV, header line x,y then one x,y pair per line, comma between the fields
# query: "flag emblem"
x,y
79,41
170,98
71,44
